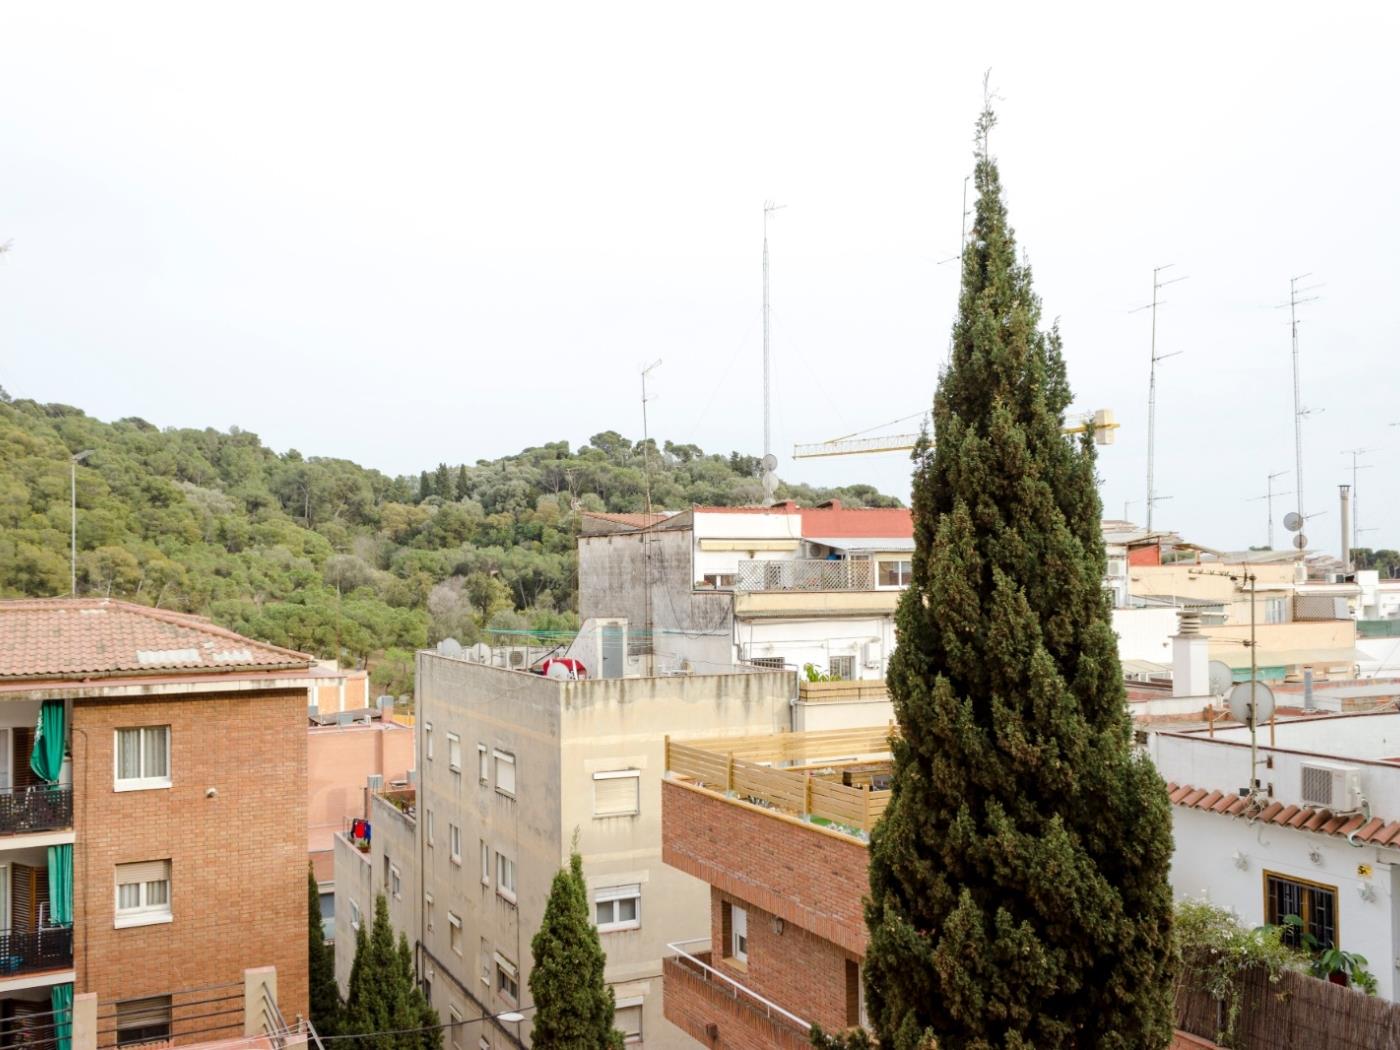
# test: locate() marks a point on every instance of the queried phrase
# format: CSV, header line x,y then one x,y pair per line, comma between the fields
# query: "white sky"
x,y
406,233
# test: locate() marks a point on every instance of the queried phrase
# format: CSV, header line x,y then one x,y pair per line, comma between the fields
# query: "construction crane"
x,y
1101,422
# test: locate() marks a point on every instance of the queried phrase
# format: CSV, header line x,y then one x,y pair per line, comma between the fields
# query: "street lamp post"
x,y
76,458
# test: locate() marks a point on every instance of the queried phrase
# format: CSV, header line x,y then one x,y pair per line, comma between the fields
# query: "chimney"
x,y
1190,656
1346,527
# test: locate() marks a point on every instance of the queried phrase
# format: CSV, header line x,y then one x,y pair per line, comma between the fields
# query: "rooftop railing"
x,y
804,574
29,951
41,807
725,984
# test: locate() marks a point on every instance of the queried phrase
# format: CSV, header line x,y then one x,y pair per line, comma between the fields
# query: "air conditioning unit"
x,y
1300,572
870,654
1332,785
375,781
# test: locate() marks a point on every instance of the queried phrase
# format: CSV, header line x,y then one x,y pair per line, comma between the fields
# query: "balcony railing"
x,y
42,807
27,951
696,964
804,574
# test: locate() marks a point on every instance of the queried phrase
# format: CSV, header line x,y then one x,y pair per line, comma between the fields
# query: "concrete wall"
x,y
340,760
1145,634
354,882
817,640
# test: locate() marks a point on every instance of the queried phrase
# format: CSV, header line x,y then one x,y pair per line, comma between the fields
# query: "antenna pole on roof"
x,y
1297,298
1157,285
769,463
646,435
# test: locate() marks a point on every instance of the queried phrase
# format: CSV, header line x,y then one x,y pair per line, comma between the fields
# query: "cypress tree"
x,y
442,483
573,1005
325,993
1018,879
425,486
462,486
383,996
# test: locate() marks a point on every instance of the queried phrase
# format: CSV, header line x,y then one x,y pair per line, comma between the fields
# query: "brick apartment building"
x,y
157,841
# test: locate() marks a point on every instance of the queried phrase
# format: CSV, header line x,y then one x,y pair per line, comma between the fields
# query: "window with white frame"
x,y
1275,610
454,933
895,572
454,752
428,826
428,740
483,764
395,883
507,979
616,793
843,668
454,1027
143,893
505,877
485,863
142,758
454,843
618,908
627,1019
427,911
505,772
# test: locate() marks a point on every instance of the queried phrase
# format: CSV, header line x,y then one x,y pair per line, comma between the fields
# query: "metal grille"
x,y
42,807
1317,786
24,951
803,574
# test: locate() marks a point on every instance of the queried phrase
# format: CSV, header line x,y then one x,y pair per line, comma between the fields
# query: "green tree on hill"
x,y
573,1005
1018,879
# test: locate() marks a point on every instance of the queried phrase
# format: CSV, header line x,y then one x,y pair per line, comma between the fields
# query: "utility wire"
x,y
428,1028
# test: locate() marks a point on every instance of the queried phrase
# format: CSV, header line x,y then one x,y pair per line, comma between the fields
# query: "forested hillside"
x,y
322,554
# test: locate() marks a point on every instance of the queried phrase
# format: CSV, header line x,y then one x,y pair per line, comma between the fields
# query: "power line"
x,y
505,1017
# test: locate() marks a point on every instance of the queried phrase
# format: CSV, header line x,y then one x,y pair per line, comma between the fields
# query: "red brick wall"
x,y
811,878
691,1005
238,860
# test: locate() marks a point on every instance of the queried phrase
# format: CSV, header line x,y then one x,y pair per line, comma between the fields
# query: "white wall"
x,y
816,640
1145,634
1205,866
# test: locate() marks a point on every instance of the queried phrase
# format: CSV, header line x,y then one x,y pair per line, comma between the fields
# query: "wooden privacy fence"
x,y
1297,1012
735,765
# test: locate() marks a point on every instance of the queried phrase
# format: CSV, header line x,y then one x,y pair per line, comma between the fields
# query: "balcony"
x,y
804,574
717,1010
35,950
41,807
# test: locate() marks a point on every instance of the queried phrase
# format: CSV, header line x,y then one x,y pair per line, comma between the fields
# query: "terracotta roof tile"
x,y
1374,830
96,637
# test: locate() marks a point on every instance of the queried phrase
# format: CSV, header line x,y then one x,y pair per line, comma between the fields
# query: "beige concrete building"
x,y
514,766
385,863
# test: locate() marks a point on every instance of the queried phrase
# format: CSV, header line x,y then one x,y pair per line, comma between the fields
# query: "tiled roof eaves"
x,y
1376,831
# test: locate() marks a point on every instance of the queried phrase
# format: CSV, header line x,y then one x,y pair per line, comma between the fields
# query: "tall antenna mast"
x,y
646,435
769,461
1296,298
1157,285
1356,529
1269,495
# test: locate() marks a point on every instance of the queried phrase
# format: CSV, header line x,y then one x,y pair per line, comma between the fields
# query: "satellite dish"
x,y
1251,703
450,648
1300,541
1221,678
770,462
1292,521
480,653
560,671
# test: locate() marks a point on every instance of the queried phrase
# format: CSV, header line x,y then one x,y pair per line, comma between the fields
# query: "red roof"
x,y
636,521
832,519
1377,831
95,637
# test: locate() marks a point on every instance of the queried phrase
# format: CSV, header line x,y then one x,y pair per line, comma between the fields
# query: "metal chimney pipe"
x,y
1346,527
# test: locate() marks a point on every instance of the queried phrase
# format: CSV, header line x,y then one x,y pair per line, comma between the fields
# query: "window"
x,y
483,764
454,933
776,663
1275,610
354,916
895,573
615,793
505,772
485,863
428,740
143,893
1314,904
427,911
143,758
454,843
719,581
395,883
328,916
484,959
736,932
627,1019
428,826
143,1020
618,908
843,667
505,877
507,979
454,1022
454,752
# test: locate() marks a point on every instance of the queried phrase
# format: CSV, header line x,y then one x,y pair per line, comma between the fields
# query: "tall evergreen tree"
x,y
425,486
384,1004
325,993
463,485
573,1005
1018,879
442,483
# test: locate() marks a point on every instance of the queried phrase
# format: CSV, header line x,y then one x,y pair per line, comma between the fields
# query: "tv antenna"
x,y
769,477
646,435
1157,285
1269,495
1297,296
1355,454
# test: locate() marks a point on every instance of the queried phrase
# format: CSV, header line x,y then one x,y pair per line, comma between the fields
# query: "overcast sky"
x,y
408,233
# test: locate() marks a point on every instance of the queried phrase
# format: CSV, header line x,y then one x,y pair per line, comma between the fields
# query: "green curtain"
x,y
61,999
61,884
47,759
